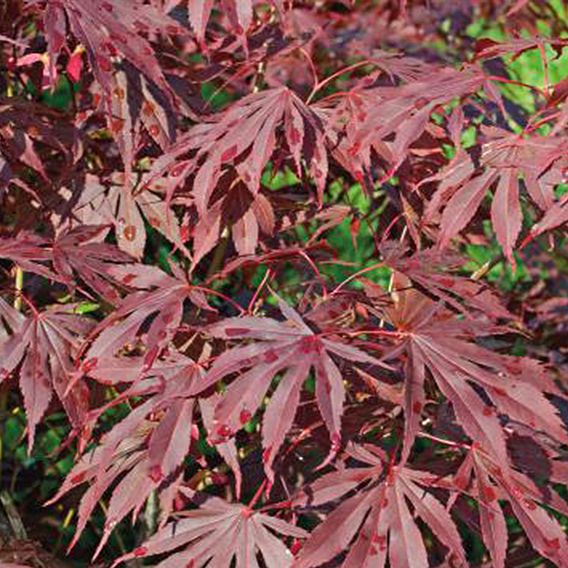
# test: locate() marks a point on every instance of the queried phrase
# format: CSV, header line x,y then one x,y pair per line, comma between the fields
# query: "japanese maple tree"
x,y
286,281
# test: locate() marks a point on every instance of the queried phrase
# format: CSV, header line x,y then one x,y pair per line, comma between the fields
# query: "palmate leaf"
x,y
36,128
186,397
158,295
46,345
144,450
505,159
431,271
239,13
388,120
216,534
231,154
244,137
248,215
77,253
80,253
291,348
443,346
377,517
107,28
29,252
130,210
159,430
494,482
125,206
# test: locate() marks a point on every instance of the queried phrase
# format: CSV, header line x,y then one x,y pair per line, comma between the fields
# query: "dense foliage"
x,y
283,283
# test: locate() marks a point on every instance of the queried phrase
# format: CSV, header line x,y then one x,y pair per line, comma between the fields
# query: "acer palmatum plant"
x,y
282,282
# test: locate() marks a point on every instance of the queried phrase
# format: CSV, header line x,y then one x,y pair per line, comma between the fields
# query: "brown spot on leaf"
x,y
295,136
90,364
116,125
127,278
270,356
129,232
149,108
266,454
173,30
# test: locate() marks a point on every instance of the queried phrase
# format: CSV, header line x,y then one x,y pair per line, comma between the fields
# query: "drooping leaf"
x,y
231,153
493,482
46,345
505,159
107,28
142,446
431,271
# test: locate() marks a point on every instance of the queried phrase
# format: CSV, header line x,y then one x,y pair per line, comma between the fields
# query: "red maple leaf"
x,y
505,159
292,348
107,28
377,520
494,482
444,347
46,344
144,450
230,155
244,532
